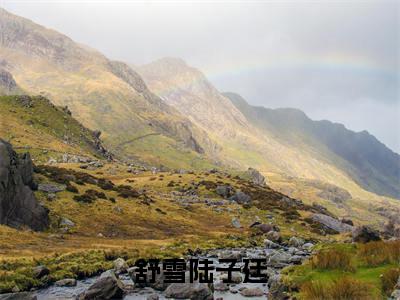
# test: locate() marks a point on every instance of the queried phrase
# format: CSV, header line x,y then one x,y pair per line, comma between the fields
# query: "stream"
x,y
277,257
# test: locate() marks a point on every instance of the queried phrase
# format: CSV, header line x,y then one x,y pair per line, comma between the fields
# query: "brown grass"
x,y
341,289
389,280
382,252
333,259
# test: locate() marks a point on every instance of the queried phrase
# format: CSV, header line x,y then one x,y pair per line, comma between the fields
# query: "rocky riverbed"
x,y
119,282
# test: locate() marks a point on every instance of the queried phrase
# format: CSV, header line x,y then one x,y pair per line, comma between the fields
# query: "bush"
x,y
344,288
333,259
389,280
381,252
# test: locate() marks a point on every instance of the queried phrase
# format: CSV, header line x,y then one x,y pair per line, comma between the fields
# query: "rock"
x,y
18,296
332,223
365,234
108,286
228,254
266,227
193,291
256,177
274,236
240,198
296,259
252,292
51,196
224,191
278,291
236,223
51,188
66,282
347,221
66,223
279,259
270,244
221,287
19,206
308,246
8,86
296,242
40,271
159,284
153,297
120,265
235,278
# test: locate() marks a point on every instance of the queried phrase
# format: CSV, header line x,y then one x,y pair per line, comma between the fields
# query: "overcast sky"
x,y
336,60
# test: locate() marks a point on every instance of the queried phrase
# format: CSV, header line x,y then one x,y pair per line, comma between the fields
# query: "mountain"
x,y
104,95
8,86
366,160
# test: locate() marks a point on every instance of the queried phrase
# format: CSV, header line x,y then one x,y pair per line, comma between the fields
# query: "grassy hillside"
x,y
34,124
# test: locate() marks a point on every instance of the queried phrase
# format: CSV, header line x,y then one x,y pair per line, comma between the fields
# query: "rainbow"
x,y
334,62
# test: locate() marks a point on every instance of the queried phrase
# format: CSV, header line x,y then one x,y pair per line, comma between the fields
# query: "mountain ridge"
x,y
347,144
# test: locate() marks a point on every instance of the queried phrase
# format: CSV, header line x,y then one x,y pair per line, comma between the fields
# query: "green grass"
x,y
325,275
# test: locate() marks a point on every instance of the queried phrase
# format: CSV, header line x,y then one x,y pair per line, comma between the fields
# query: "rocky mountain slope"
x,y
286,146
102,94
366,160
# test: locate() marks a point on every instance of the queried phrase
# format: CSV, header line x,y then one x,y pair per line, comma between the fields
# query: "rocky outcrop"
x,y
365,234
18,205
8,86
256,177
332,223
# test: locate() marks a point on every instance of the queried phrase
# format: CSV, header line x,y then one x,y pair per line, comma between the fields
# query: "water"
x,y
54,292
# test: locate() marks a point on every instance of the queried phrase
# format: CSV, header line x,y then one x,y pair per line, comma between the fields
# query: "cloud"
x,y
334,59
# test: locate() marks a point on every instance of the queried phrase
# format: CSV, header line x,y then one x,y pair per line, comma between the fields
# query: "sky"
x,y
335,60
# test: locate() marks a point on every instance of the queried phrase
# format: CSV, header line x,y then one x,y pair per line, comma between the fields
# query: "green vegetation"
x,y
347,271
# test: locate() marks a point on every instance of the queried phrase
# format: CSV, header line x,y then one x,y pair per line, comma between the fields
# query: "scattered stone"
x,y
40,271
108,286
252,292
240,198
229,254
235,277
221,287
224,191
274,236
66,282
308,246
270,244
51,188
18,296
66,223
236,223
296,242
120,265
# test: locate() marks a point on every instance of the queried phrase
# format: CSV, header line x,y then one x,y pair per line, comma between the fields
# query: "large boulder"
x,y
107,286
332,223
256,177
365,234
187,290
18,205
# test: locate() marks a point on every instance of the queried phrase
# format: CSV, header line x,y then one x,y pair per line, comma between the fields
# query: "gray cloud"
x,y
336,60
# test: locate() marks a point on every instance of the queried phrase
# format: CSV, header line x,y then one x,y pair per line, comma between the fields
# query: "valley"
x,y
104,163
